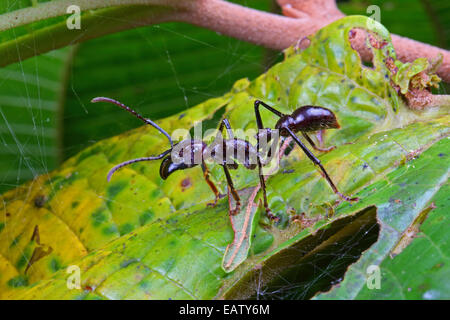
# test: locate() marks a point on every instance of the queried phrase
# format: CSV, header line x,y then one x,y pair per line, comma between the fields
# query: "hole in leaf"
x,y
368,64
371,42
314,264
302,44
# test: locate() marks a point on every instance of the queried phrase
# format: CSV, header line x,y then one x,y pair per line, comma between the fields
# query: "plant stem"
x,y
302,18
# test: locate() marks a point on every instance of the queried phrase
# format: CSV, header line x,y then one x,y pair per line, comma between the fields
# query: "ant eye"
x,y
283,132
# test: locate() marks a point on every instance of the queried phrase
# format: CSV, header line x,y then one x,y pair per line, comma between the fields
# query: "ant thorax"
x,y
228,151
189,152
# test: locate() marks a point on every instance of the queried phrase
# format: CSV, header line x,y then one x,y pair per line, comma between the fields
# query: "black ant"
x,y
304,119
190,152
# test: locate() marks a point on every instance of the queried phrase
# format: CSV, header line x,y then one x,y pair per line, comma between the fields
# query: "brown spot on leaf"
x,y
302,44
303,220
377,44
40,251
390,64
88,288
185,183
35,237
40,200
439,265
411,232
352,34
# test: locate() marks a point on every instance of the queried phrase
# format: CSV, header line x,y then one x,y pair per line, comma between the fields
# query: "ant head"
x,y
308,118
168,167
184,155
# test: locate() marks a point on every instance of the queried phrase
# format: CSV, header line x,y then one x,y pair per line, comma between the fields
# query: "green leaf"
x,y
155,261
419,269
141,237
407,70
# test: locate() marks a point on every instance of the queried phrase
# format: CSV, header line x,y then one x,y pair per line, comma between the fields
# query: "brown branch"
x,y
262,28
302,18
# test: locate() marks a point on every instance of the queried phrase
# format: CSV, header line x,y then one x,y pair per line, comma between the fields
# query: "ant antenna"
x,y
137,115
147,121
123,164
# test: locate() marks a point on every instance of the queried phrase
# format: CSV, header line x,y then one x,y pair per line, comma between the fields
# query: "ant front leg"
x,y
317,162
314,145
210,184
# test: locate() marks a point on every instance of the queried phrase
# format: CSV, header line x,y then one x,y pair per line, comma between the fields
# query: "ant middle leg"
x,y
232,191
314,145
317,162
210,184
269,213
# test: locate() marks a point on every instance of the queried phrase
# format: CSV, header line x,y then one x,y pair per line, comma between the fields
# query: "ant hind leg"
x,y
311,142
317,162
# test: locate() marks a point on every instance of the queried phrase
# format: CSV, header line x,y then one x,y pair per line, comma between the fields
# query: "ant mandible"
x,y
190,152
304,119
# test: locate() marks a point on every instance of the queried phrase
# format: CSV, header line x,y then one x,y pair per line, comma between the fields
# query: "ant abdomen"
x,y
307,118
304,119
